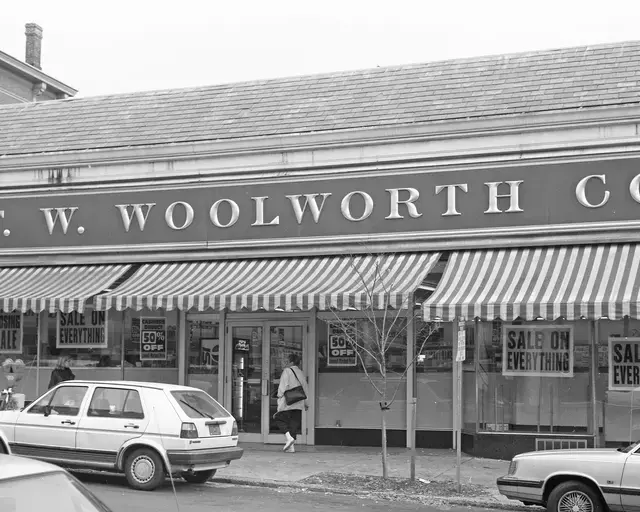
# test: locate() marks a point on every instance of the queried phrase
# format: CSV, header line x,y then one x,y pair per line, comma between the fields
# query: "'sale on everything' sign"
x,y
537,351
82,330
624,363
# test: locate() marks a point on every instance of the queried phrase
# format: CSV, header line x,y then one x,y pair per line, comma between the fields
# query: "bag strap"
x,y
295,375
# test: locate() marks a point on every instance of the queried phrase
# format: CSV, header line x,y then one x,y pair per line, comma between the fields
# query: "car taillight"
x,y
188,431
234,428
513,467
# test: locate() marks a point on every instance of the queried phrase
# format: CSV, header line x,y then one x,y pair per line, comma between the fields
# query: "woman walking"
x,y
289,415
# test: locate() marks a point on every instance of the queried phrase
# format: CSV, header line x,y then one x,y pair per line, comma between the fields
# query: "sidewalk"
x,y
267,465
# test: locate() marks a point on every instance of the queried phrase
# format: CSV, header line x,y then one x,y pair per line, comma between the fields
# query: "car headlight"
x,y
513,467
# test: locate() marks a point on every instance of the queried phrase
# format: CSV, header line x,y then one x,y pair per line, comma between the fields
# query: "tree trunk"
x,y
385,469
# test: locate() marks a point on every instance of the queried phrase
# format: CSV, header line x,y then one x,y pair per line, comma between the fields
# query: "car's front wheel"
x,y
574,496
199,477
144,470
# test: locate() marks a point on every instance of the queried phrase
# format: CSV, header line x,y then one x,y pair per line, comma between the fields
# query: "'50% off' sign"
x,y
153,338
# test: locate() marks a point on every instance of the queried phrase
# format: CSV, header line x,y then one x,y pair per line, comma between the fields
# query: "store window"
x,y
346,397
534,377
18,353
204,355
434,377
151,346
91,340
617,388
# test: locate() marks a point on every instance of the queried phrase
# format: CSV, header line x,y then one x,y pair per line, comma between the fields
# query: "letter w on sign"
x,y
61,213
140,216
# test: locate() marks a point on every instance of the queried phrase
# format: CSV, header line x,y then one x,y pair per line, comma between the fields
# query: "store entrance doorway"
x,y
258,353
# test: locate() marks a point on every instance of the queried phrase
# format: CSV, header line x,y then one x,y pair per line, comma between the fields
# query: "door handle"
x,y
131,425
68,422
265,386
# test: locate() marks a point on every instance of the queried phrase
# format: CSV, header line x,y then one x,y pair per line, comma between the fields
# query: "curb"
x,y
463,502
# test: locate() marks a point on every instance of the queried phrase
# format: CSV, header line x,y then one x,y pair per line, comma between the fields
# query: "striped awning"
x,y
342,282
64,288
571,282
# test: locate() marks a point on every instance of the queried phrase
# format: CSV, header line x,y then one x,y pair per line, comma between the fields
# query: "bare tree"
x,y
371,339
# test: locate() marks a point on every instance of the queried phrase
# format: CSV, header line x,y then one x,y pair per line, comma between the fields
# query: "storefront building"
x,y
200,236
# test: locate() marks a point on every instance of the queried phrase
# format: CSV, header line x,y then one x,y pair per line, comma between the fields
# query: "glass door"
x,y
285,338
259,352
248,384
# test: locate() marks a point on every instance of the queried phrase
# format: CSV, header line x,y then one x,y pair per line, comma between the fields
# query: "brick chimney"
x,y
34,44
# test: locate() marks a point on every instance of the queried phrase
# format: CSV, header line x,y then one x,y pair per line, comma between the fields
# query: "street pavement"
x,y
114,491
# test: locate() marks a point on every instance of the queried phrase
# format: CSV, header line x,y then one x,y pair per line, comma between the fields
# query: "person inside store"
x,y
292,398
61,372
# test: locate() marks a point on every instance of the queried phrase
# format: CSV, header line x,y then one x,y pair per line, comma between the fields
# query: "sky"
x,y
137,45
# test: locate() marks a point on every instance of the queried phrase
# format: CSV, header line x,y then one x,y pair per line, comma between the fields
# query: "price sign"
x,y
153,338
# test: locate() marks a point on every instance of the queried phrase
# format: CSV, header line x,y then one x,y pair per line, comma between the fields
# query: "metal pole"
x,y
459,425
412,466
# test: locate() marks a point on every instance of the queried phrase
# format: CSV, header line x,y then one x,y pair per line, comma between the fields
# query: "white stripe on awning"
x,y
64,288
340,282
570,282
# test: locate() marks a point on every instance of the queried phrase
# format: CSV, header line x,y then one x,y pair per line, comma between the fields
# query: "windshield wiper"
x,y
196,409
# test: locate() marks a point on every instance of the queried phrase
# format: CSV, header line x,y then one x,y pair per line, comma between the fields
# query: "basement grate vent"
x,y
560,444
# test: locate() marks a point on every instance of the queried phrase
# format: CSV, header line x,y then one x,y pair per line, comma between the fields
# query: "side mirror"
x,y
47,410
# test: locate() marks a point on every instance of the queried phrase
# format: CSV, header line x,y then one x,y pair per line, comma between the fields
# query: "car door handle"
x,y
131,425
68,422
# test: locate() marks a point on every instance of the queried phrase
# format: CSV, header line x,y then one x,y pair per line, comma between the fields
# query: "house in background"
x,y
24,81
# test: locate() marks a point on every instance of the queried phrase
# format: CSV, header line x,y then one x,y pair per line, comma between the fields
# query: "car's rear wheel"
x,y
144,470
199,477
574,496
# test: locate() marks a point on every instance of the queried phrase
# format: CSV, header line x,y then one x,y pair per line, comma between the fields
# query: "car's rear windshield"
x,y
54,492
197,404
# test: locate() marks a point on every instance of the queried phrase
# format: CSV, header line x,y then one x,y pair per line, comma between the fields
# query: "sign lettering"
x,y
537,351
11,333
153,338
624,363
82,330
341,352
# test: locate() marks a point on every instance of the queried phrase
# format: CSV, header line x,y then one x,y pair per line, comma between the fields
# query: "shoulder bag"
x,y
295,395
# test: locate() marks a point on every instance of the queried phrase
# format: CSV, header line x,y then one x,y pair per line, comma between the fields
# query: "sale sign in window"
x,y
153,338
342,344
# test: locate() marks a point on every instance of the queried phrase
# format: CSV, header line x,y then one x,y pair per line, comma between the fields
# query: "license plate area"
x,y
214,430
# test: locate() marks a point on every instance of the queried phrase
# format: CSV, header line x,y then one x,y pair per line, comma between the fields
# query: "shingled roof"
x,y
484,87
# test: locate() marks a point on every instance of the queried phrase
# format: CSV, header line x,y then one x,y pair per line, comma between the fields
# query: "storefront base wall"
x,y
504,446
434,439
372,437
359,437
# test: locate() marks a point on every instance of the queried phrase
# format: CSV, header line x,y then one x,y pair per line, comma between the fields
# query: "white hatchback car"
x,y
146,430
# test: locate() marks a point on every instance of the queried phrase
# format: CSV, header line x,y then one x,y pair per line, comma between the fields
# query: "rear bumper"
x,y
200,460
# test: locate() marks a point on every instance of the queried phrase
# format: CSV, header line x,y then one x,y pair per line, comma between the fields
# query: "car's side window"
x,y
38,406
116,403
64,400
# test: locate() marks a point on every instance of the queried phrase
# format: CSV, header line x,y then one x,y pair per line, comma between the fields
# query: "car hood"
x,y
584,454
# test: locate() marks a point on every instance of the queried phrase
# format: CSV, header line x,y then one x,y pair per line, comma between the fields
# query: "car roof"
x,y
137,384
12,466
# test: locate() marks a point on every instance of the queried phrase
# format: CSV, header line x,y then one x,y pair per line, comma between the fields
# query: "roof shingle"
x,y
546,81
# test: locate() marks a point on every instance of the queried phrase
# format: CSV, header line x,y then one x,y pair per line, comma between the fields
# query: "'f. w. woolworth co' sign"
x,y
405,205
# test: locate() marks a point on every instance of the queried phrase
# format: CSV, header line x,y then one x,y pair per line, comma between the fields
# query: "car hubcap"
x,y
143,469
575,501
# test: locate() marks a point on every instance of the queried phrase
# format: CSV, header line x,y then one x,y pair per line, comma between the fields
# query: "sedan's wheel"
x,y
574,497
199,477
144,469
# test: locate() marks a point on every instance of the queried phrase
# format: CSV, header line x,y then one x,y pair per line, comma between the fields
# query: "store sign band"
x,y
510,197
543,351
